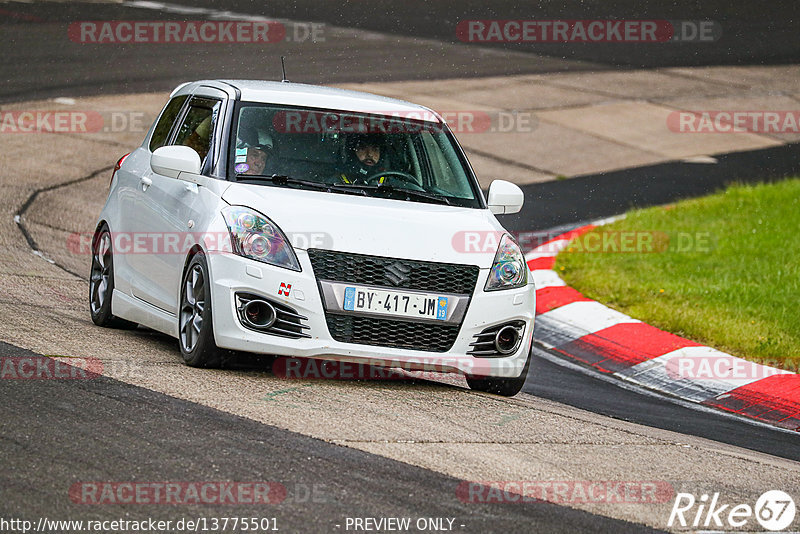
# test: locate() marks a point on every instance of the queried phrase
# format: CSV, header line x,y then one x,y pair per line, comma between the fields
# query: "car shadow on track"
x,y
305,369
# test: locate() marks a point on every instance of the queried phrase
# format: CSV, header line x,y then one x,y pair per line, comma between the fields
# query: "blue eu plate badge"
x,y
349,298
441,308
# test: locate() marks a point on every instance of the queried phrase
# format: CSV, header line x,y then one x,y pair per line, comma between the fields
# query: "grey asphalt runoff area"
x,y
395,448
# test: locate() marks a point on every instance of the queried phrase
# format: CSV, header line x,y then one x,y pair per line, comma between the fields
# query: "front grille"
x,y
390,333
393,272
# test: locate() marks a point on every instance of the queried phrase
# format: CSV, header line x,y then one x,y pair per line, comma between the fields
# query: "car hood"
x,y
375,226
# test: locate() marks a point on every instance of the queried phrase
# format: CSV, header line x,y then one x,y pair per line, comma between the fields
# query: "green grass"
x,y
737,289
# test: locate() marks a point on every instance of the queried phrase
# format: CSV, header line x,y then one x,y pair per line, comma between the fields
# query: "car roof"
x,y
316,96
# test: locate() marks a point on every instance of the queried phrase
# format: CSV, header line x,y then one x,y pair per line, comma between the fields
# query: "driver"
x,y
366,157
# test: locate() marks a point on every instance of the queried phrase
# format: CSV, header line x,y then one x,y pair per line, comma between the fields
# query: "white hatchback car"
x,y
303,221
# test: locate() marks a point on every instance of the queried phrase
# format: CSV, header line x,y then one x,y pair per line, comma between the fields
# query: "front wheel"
x,y
507,387
195,326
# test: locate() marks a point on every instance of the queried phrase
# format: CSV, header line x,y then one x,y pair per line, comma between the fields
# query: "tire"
x,y
195,324
101,283
507,387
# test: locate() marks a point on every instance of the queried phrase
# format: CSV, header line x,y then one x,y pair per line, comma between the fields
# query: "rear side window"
x,y
164,125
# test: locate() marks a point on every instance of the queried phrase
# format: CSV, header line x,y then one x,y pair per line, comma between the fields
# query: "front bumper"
x,y
233,274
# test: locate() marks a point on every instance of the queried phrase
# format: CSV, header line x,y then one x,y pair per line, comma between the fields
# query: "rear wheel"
x,y
507,387
101,282
195,325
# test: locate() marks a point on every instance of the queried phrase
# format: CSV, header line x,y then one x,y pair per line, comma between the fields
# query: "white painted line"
x,y
608,220
546,278
45,258
700,159
575,320
532,255
590,316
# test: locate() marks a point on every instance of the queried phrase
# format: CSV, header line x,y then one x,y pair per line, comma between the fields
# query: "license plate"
x,y
411,305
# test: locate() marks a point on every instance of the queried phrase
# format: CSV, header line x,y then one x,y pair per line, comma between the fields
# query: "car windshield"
x,y
398,156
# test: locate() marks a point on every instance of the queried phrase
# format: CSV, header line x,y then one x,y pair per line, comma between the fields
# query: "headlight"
x,y
256,237
509,269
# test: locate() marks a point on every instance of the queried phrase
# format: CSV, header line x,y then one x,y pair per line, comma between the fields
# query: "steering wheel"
x,y
402,176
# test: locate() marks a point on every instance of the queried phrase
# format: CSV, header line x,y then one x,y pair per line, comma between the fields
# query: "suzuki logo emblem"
x,y
397,273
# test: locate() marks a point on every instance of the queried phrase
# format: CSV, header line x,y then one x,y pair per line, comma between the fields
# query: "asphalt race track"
x,y
347,449
128,429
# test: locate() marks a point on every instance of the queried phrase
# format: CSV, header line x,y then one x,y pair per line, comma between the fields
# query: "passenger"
x,y
257,159
200,138
257,156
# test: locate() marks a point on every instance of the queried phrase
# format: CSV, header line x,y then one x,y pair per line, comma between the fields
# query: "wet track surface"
x,y
585,198
37,35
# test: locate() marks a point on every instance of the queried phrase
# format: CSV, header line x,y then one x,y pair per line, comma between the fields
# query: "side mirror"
x,y
505,197
172,160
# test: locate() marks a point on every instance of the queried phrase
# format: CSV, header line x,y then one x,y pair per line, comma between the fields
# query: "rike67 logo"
x,y
774,510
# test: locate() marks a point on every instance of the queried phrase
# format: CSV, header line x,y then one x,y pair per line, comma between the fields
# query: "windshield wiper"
x,y
420,195
352,189
282,179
